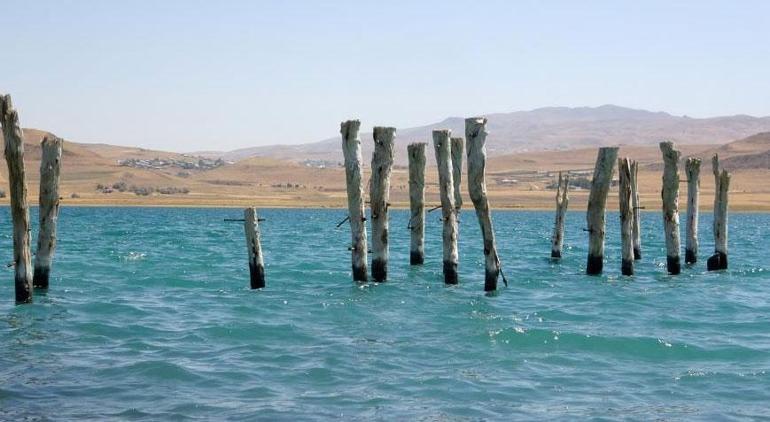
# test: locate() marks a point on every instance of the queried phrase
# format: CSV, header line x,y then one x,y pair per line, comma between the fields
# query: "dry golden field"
x,y
513,181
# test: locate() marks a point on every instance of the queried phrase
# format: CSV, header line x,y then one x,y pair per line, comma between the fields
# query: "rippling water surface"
x,y
149,317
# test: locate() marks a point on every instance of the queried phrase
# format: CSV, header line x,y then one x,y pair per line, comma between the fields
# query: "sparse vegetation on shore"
x,y
140,190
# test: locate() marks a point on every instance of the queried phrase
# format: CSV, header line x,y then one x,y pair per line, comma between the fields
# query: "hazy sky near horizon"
x,y
203,75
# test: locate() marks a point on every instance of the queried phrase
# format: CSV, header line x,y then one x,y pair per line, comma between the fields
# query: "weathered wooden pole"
x,y
50,168
476,134
442,145
637,232
416,153
14,156
379,194
256,264
626,217
458,150
718,261
597,202
692,168
562,201
670,196
351,148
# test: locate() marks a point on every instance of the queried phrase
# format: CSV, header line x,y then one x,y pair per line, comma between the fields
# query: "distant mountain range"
x,y
543,129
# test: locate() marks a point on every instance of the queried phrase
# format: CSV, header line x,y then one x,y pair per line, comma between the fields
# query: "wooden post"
x,y
637,229
670,196
562,200
14,156
351,148
718,261
50,168
626,217
692,168
379,194
442,145
597,202
256,264
458,150
416,153
476,134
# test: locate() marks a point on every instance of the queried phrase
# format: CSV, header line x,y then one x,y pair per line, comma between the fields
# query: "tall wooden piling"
x,y
718,261
597,203
379,194
458,150
442,146
14,156
562,201
670,196
351,148
626,217
50,169
637,228
476,134
692,169
416,153
256,263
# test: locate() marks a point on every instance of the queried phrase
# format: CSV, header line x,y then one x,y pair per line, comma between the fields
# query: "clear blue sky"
x,y
195,75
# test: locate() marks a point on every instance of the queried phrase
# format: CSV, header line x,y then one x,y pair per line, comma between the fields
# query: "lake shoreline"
x,y
310,206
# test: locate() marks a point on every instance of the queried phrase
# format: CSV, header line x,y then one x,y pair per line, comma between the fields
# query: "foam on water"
x,y
150,317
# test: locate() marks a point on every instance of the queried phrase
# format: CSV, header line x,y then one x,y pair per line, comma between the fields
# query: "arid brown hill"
x,y
748,153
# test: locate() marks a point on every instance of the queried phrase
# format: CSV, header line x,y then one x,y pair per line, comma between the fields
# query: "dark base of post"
x,y
717,262
359,274
416,258
23,292
627,267
637,254
690,257
673,265
490,280
594,265
40,277
379,270
450,272
257,273
556,254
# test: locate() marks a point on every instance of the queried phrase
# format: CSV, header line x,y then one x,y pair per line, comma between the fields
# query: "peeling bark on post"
x,y
670,196
458,150
379,194
597,202
476,134
416,153
351,148
626,218
692,168
256,264
14,156
637,232
562,201
50,168
442,146
718,261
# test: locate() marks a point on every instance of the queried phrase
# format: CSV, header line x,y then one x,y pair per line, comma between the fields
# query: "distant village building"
x,y
320,164
164,163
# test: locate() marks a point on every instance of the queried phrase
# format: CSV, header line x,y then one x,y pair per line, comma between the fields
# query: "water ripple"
x,y
150,318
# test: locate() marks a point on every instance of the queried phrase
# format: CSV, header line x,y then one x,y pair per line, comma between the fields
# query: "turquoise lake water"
x,y
149,317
